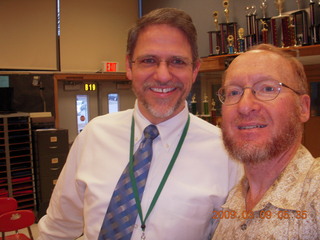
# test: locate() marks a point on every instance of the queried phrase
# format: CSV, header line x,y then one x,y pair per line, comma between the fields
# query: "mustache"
x,y
243,119
169,84
251,117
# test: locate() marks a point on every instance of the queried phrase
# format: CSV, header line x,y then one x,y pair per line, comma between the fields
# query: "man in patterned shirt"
x,y
265,103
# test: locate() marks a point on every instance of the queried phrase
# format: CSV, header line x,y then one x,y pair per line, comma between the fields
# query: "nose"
x,y
163,72
248,102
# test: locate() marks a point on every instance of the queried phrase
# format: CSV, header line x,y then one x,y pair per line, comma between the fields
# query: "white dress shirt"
x,y
198,183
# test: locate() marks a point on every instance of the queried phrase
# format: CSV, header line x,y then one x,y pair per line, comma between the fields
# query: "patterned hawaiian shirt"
x,y
290,209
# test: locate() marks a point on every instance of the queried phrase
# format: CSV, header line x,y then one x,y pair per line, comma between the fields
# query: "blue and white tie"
x,y
122,211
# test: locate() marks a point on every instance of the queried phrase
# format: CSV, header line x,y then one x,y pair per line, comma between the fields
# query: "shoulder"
x,y
112,119
110,124
312,182
204,128
314,172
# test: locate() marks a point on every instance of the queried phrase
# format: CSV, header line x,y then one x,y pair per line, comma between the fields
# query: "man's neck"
x,y
261,176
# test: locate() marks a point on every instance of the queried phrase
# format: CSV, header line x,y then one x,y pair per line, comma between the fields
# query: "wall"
x,y
94,31
201,12
28,41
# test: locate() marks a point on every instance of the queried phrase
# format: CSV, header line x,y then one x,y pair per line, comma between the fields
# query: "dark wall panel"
x,y
27,97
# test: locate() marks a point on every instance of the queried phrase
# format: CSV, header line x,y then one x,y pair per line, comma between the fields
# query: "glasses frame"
x,y
167,61
221,97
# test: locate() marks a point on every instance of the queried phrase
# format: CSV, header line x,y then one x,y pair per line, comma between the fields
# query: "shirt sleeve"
x,y
64,218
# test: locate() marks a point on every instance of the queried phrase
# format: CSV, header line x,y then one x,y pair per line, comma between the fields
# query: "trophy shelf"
x,y
220,62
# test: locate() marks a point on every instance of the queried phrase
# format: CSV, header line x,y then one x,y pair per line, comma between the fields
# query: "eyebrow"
x,y
253,82
155,56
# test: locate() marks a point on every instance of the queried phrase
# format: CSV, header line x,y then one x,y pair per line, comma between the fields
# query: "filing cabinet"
x,y
51,148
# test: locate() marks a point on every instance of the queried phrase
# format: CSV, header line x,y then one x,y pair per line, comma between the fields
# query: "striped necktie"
x,y
122,212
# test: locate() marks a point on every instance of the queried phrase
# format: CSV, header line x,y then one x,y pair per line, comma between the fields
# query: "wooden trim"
x,y
312,72
303,51
55,94
114,76
215,63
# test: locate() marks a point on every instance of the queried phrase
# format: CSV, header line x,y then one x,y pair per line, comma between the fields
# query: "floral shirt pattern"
x,y
290,209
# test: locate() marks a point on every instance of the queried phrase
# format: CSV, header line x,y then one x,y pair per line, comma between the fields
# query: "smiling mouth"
x,y
162,90
251,127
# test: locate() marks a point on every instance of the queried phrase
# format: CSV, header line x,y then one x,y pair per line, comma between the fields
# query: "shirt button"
x,y
136,226
243,226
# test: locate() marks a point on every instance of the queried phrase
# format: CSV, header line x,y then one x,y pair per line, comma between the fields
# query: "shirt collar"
x,y
285,192
169,130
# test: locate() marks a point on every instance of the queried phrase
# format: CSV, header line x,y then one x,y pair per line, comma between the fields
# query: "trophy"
x,y
252,26
213,111
226,9
263,24
215,33
314,22
248,17
264,31
263,7
205,105
215,20
298,4
230,44
299,27
291,32
194,105
279,5
241,44
280,30
226,29
213,103
217,50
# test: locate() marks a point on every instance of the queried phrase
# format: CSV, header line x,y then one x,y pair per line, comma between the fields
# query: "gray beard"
x,y
248,152
165,111
163,114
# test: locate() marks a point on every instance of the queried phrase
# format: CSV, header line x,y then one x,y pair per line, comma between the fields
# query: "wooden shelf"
x,y
107,76
217,63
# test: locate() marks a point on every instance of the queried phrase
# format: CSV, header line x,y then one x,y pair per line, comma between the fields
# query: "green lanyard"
x,y
164,178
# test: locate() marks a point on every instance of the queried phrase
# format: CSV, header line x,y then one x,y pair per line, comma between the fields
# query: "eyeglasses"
x,y
152,62
265,90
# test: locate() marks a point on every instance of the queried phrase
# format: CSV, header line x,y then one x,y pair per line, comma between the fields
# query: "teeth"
x,y
162,90
253,126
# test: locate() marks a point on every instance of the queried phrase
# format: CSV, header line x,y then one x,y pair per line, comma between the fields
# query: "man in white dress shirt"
x,y
162,62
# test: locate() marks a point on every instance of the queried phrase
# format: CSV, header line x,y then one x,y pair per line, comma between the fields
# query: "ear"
x,y
195,71
304,108
128,68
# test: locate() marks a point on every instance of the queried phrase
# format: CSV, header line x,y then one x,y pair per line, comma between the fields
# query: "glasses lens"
x,y
178,62
230,94
146,61
266,90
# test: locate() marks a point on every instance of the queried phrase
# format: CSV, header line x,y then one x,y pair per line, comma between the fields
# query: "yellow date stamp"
x,y
283,214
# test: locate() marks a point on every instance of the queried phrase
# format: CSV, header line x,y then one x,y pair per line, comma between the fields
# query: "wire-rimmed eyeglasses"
x,y
264,90
153,62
